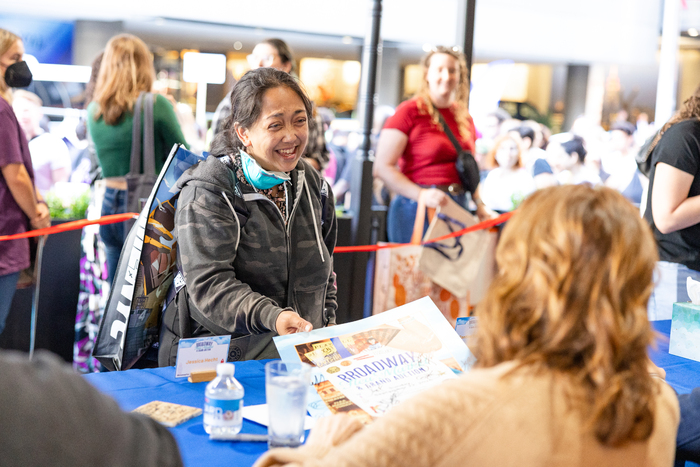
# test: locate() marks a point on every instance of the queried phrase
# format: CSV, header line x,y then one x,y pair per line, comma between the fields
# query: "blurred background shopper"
x,y
50,157
673,207
275,53
415,155
126,71
21,203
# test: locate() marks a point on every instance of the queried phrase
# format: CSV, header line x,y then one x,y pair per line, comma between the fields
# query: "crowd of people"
x,y
562,367
587,154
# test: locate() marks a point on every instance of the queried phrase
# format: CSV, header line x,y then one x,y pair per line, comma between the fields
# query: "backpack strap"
x,y
149,150
143,102
135,164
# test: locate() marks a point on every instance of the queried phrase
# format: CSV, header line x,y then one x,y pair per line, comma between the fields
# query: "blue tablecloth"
x,y
682,374
134,388
137,387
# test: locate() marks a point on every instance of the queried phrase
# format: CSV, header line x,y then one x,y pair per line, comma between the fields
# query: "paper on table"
x,y
381,328
259,414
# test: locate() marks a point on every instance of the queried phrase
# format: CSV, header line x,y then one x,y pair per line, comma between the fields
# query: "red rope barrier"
x,y
480,226
73,225
114,218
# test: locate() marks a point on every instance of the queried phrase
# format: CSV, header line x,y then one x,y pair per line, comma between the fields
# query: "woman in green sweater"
x,y
126,71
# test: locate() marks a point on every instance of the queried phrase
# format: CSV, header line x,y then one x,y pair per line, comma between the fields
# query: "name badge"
x,y
201,353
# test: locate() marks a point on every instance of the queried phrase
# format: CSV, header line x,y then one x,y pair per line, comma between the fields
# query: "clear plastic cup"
x,y
286,386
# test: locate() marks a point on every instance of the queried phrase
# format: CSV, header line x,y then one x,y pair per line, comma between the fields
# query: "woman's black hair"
x,y
526,132
283,50
246,105
575,145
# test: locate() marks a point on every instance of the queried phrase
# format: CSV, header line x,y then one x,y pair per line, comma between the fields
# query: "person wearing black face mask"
x,y
23,208
18,75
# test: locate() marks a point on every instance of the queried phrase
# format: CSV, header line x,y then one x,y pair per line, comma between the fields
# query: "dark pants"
x,y
8,283
688,437
113,234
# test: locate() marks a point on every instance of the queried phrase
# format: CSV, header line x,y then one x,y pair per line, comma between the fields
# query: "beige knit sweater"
x,y
485,419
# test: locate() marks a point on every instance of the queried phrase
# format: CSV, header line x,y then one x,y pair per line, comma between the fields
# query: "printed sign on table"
x,y
366,367
201,353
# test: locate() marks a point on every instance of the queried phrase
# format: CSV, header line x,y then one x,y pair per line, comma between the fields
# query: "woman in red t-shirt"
x,y
415,158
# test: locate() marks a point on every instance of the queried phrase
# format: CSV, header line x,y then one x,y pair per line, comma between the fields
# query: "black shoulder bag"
x,y
466,165
643,157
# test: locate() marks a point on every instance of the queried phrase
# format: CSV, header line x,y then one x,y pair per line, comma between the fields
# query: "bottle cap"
x,y
225,369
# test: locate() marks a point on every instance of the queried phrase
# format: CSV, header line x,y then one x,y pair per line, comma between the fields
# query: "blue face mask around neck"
x,y
258,177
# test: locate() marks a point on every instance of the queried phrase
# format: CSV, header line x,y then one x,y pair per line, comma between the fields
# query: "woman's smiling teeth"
x,y
291,152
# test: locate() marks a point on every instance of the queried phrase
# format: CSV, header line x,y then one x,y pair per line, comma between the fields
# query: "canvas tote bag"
x,y
462,265
399,280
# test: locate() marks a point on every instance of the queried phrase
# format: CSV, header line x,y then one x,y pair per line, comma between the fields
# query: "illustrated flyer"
x,y
366,367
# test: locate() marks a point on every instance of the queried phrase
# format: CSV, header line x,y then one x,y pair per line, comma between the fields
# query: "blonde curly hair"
x,y
461,101
575,274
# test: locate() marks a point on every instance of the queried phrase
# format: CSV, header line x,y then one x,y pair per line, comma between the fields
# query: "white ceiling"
x,y
552,31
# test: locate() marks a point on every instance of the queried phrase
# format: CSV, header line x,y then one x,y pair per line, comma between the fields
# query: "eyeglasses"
x,y
264,60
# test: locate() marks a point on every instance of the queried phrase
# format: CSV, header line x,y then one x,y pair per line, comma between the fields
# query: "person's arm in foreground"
x,y
671,207
419,432
51,416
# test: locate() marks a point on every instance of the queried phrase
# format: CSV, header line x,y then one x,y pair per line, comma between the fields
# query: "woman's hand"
x,y
434,197
484,213
42,218
289,322
333,430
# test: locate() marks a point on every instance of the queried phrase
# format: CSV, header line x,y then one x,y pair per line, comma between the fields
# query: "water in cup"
x,y
286,387
285,395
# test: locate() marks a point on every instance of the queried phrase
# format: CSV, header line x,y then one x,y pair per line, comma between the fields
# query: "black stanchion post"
x,y
469,35
361,184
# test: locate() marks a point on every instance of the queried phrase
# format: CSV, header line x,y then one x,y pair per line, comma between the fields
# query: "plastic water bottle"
x,y
223,403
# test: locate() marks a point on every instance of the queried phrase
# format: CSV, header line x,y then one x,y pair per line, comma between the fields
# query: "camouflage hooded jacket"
x,y
241,265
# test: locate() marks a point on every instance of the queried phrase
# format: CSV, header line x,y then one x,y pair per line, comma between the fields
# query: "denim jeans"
x,y
671,286
688,437
113,235
402,216
8,283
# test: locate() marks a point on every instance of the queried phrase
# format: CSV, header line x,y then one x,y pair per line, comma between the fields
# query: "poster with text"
x,y
366,367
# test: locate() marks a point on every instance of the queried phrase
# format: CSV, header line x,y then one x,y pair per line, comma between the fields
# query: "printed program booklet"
x,y
366,367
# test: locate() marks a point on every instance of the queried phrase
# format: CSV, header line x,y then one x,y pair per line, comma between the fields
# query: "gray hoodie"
x,y
241,266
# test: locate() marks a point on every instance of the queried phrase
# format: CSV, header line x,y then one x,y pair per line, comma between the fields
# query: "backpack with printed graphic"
x,y
147,266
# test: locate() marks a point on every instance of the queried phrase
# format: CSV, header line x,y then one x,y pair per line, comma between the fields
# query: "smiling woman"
x,y
415,156
280,133
256,229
